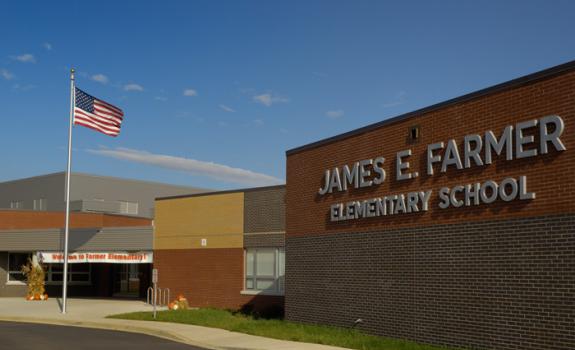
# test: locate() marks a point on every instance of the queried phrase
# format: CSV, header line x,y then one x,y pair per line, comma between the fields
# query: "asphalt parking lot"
x,y
29,336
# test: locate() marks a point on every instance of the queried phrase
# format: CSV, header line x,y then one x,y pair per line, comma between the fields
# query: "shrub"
x,y
35,276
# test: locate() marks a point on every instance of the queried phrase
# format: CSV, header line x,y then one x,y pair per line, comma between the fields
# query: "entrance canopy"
x,y
143,257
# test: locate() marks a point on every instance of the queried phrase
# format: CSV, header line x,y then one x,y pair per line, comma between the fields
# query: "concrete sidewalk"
x,y
91,313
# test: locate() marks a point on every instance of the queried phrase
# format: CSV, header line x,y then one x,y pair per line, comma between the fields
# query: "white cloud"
x,y
133,87
4,73
269,99
335,114
100,78
223,124
161,98
20,87
212,170
47,46
399,99
227,109
258,122
190,92
25,58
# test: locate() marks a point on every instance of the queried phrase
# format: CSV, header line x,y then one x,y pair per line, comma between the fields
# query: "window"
x,y
17,205
265,270
15,263
77,273
130,208
40,204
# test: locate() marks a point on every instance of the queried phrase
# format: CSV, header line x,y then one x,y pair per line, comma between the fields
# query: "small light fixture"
x,y
414,133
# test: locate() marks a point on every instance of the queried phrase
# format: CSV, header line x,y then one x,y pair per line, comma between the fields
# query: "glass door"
x,y
126,280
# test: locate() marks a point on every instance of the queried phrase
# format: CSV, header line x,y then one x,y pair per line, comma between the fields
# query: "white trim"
x,y
264,233
15,283
261,292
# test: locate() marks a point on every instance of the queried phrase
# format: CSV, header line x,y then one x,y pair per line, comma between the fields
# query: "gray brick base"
x,y
482,285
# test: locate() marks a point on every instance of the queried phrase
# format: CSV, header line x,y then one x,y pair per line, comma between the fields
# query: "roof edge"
x,y
510,84
81,174
251,189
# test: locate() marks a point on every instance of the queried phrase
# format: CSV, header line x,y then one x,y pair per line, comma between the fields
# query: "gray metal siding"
x,y
86,187
106,239
50,187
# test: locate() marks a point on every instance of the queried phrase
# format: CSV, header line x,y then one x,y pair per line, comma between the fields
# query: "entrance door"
x,y
126,281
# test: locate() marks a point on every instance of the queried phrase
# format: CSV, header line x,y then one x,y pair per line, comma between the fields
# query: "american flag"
x,y
97,114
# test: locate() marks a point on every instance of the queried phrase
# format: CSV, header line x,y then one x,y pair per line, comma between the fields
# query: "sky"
x,y
215,92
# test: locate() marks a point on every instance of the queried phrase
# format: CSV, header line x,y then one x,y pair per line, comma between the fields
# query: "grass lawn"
x,y
278,329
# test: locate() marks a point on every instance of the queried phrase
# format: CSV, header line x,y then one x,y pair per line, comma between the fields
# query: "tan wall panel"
x,y
194,241
181,223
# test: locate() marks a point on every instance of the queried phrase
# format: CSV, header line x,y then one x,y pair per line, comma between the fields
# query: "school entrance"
x,y
128,280
101,274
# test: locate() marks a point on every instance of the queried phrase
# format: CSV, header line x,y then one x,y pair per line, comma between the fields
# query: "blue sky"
x,y
215,92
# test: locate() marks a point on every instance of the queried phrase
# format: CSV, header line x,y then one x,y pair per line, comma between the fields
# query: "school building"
x,y
111,233
452,225
223,249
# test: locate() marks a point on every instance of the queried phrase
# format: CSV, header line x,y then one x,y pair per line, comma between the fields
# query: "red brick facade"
x,y
208,277
30,220
548,175
491,276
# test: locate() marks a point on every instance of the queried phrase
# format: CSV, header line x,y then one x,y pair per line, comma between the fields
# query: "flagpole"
x,y
68,175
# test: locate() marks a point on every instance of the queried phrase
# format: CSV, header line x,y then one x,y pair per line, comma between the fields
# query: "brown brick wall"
x,y
207,277
493,276
13,220
480,285
547,175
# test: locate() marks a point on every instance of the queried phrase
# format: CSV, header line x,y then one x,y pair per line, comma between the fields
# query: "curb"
x,y
114,327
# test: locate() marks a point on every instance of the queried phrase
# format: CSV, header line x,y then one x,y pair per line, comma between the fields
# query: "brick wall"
x,y
264,210
264,240
490,276
29,220
307,213
214,275
482,285
208,277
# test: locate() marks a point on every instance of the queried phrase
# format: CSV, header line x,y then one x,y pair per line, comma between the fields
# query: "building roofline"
x,y
77,229
9,210
251,189
514,83
74,173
